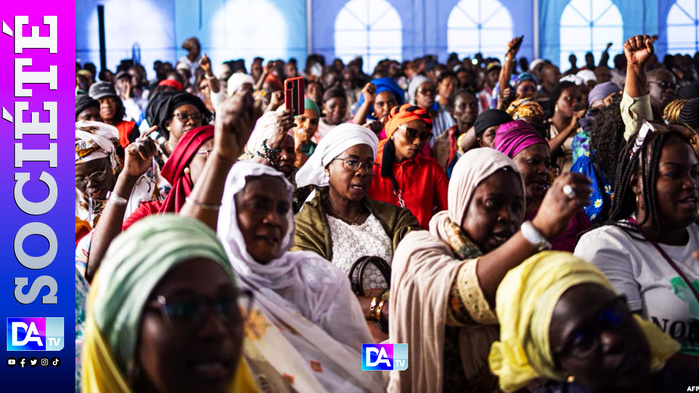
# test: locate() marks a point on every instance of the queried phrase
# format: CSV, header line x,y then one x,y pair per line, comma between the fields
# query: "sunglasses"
x,y
585,340
191,313
413,133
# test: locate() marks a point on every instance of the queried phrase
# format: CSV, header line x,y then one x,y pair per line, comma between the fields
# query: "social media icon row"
x,y
33,362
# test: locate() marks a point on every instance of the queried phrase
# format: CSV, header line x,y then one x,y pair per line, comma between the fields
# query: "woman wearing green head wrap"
x,y
560,320
306,126
150,326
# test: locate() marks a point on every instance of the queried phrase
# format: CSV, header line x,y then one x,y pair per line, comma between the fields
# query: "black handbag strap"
x,y
356,272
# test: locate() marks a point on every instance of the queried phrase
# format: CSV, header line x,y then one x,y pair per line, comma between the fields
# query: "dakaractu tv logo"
x,y
35,334
380,357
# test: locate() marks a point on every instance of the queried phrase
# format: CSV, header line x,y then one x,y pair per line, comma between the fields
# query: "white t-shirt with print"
x,y
638,270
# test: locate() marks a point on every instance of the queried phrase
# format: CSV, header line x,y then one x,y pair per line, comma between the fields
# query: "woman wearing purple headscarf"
x,y
530,153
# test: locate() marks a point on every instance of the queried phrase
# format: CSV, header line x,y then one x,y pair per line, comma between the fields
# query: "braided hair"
x,y
644,163
606,138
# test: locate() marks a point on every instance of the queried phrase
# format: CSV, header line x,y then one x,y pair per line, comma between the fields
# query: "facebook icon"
x,y
380,357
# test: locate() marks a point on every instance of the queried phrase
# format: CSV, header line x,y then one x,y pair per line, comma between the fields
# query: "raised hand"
x,y
276,101
369,92
638,49
205,64
513,46
285,121
139,155
568,194
234,121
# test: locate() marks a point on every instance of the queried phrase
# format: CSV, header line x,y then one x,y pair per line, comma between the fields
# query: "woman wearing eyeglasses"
x,y
423,92
562,323
166,321
341,223
407,179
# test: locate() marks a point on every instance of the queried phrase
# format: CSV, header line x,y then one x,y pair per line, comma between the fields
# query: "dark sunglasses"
x,y
413,133
353,164
184,117
191,313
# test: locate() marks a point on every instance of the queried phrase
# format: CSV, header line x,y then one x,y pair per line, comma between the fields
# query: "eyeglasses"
x,y
427,91
353,164
665,85
585,340
192,313
96,177
413,133
184,117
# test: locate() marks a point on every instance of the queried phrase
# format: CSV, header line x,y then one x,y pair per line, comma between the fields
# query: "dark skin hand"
x,y
138,159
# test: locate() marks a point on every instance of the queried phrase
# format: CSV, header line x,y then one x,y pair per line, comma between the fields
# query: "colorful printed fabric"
x,y
525,107
581,145
600,207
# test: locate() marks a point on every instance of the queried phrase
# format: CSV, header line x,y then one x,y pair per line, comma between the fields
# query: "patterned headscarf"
x,y
525,302
525,107
405,114
95,140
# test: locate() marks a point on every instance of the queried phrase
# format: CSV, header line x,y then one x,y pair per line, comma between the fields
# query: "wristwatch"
x,y
535,237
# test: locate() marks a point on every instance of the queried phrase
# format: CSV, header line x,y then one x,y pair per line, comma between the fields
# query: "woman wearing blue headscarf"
x,y
378,98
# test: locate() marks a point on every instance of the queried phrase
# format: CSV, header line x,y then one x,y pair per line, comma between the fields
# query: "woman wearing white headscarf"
x,y
308,299
310,328
444,281
270,144
341,223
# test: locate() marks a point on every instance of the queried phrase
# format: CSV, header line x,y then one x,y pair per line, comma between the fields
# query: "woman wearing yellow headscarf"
x,y
561,320
149,315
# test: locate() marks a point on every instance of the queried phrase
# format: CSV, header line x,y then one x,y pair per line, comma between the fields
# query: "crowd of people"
x,y
522,229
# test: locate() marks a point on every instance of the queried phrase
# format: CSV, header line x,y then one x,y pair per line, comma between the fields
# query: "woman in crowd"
x,y
308,300
87,109
464,111
530,152
175,114
96,168
376,102
567,101
458,265
487,124
561,321
407,179
270,144
112,112
306,125
525,86
341,223
646,248
423,92
149,326
528,110
334,110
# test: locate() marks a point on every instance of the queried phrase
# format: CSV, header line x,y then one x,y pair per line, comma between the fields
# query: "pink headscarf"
x,y
513,137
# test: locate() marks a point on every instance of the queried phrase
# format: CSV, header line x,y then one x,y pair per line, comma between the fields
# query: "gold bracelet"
x,y
378,310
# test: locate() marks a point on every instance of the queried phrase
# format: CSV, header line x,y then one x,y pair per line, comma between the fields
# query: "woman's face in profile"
x,y
191,331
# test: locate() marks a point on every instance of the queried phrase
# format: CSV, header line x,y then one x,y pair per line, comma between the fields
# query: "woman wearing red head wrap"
x,y
530,152
407,179
181,170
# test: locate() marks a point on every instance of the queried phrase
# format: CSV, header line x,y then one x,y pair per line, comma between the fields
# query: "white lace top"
x,y
351,242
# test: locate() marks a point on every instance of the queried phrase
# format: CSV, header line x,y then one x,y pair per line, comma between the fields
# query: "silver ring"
x,y
569,191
